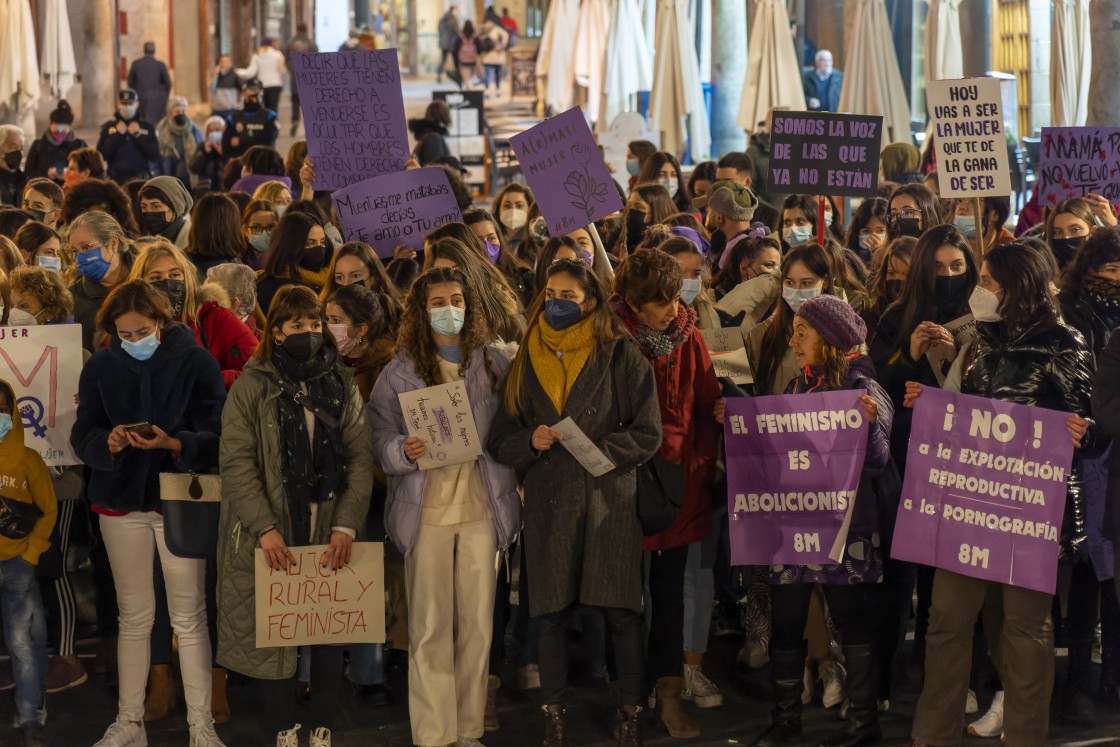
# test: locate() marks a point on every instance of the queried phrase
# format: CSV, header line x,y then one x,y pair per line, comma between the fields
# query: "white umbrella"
x,y
944,54
1071,63
628,67
676,91
19,70
773,73
554,55
57,56
872,80
592,34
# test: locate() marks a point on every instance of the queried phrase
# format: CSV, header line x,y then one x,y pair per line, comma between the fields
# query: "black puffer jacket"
x,y
1047,366
1082,311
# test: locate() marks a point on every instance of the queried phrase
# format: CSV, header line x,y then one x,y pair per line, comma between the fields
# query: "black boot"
x,y
863,720
554,733
628,727
787,668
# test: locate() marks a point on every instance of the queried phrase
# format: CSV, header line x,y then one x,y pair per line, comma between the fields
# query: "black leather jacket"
x,y
1049,365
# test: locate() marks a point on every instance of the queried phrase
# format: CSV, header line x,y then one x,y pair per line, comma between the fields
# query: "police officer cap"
x,y
252,85
128,96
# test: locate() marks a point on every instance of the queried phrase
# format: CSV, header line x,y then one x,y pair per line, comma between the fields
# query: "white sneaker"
x,y
970,704
529,677
831,676
205,736
289,738
460,742
321,737
991,723
699,689
123,733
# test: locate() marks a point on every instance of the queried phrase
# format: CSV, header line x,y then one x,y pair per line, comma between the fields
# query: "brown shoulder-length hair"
x,y
1028,296
496,301
383,287
605,323
648,276
416,331
1078,207
215,229
291,302
138,296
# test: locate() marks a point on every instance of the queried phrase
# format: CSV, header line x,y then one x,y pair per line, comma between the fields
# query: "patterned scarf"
x,y
655,343
1105,295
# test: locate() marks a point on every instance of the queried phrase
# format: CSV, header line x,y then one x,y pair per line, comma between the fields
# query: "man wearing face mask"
x,y
253,125
179,138
129,144
12,180
48,155
731,207
165,210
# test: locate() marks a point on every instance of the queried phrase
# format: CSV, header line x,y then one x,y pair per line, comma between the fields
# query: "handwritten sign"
x,y
985,489
970,137
818,153
1078,161
442,416
590,457
727,349
569,178
793,468
42,365
310,605
963,331
396,209
353,110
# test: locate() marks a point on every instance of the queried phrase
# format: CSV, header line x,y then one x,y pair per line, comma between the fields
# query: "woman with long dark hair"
x,y
912,209
355,263
215,235
648,205
664,169
299,254
867,233
497,303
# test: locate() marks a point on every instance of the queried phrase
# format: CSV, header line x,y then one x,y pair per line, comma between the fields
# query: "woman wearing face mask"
x,y
495,300
912,209
297,255
515,207
995,212
518,272
694,280
355,263
215,234
104,257
451,522
648,204
148,351
276,193
888,275
257,223
749,256
179,140
208,161
48,156
637,153
664,169
165,210
868,232
296,470
357,322
42,294
578,360
517,275
1023,353
40,246
1067,226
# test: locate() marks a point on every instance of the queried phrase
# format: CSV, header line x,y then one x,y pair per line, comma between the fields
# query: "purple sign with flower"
x,y
985,489
1078,161
793,467
563,166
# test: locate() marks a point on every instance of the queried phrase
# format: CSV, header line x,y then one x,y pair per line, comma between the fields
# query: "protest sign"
x,y
963,331
353,112
396,209
442,416
42,365
569,178
985,489
309,604
793,469
728,352
1078,161
970,138
818,153
576,442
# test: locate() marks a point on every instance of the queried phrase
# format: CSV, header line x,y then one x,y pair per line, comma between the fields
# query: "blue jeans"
x,y
25,635
367,664
494,73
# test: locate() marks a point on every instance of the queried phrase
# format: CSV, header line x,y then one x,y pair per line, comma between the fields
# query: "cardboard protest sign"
x,y
42,365
353,111
970,137
728,352
442,416
396,209
818,153
793,468
309,605
963,331
569,178
1078,161
985,489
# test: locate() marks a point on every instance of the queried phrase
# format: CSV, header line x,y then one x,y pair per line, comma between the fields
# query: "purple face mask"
x,y
493,250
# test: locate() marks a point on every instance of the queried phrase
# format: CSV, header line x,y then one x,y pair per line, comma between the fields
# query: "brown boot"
x,y
670,715
219,705
161,693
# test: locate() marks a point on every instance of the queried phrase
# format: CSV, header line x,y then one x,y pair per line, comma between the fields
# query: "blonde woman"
x,y
277,193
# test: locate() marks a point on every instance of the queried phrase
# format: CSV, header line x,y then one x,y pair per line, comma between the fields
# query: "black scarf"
x,y
314,470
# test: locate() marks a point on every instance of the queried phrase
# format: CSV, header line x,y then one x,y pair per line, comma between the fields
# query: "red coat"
x,y
228,339
687,390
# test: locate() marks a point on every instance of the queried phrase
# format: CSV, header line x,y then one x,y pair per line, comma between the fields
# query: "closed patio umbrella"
x,y
629,67
1071,63
944,54
19,68
57,56
677,94
872,80
773,74
592,33
555,61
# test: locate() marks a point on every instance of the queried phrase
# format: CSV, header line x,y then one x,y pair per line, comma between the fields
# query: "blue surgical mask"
x,y
216,137
91,265
797,235
966,224
447,321
690,289
633,167
795,296
260,242
562,313
141,349
50,263
5,425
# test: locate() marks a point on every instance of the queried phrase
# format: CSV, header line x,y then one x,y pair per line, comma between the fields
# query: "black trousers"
x,y
626,631
666,625
280,708
848,606
272,97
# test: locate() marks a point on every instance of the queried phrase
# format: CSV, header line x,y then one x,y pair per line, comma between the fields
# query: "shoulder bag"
x,y
192,504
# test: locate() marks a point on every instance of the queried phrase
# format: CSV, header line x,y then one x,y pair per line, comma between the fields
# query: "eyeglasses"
x,y
258,230
905,213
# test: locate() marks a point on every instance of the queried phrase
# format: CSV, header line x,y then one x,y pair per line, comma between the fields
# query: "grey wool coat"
x,y
582,538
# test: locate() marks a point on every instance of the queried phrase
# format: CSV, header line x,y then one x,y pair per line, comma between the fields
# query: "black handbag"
x,y
660,481
192,505
18,519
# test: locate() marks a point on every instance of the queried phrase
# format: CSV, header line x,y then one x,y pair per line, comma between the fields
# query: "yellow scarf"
x,y
558,357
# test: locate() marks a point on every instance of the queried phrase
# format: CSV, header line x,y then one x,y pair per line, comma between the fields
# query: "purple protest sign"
x,y
985,489
793,468
568,176
353,111
396,209
1077,161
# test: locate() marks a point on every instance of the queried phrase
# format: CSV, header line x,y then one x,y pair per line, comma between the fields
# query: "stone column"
x,y
99,65
1104,95
729,72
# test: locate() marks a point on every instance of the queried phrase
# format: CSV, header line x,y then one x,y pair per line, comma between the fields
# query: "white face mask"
x,y
670,185
514,218
984,305
690,289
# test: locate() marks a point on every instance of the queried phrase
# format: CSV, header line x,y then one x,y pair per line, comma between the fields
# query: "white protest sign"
x,y
583,448
441,415
729,354
970,137
43,364
963,331
309,604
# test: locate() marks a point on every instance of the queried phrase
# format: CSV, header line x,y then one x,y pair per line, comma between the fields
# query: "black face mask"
x,y
893,290
181,119
905,227
252,105
635,228
950,290
303,346
176,292
12,159
313,258
154,223
38,215
1066,249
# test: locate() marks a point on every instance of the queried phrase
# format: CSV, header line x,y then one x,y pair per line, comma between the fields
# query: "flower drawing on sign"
x,y
581,185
